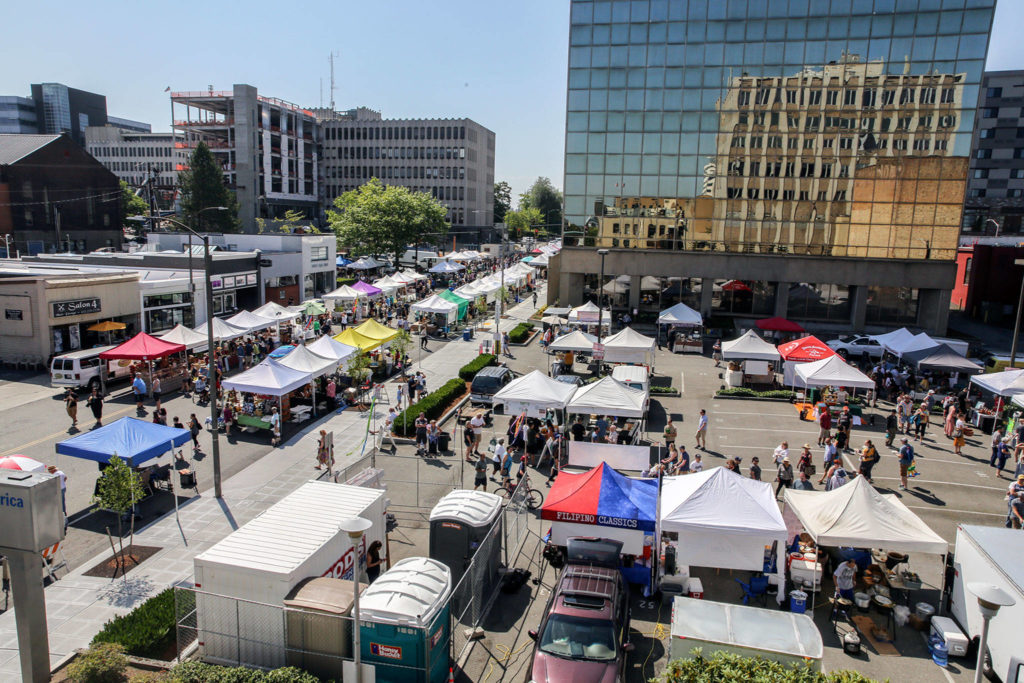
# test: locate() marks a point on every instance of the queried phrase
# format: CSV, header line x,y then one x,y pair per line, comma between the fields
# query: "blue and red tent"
x,y
603,497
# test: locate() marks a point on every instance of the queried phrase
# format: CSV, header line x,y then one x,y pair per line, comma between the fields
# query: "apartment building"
x,y
134,156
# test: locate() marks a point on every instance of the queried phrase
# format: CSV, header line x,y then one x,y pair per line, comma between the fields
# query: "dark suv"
x,y
584,635
487,383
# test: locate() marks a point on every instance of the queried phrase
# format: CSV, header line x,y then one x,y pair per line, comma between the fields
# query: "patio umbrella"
x,y
554,320
314,308
21,462
106,326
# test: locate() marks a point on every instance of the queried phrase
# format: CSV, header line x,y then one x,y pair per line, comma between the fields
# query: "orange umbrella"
x,y
106,326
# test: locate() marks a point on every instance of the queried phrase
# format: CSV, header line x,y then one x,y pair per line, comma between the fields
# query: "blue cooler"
x,y
404,622
797,602
467,334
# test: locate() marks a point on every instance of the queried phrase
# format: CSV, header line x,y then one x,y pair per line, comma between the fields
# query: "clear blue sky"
x,y
502,64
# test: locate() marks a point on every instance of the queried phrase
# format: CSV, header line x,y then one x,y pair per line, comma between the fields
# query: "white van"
x,y
424,259
81,369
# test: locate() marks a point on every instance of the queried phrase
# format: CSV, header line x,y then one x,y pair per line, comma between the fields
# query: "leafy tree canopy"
x,y
202,186
502,201
544,197
383,219
523,222
131,205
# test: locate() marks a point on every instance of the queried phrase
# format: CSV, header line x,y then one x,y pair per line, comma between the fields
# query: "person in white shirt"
x,y
696,465
477,425
499,456
781,451
844,576
385,432
702,431
842,396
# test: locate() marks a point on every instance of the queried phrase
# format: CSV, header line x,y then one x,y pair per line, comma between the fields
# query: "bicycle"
x,y
533,498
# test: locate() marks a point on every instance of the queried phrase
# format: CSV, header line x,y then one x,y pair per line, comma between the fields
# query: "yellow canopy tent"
x,y
353,338
374,330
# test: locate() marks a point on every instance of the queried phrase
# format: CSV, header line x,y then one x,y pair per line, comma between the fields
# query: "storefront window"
x,y
742,297
893,305
163,319
808,301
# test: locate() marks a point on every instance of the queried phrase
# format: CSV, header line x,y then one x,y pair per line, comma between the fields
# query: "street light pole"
x,y
990,599
355,528
600,307
500,303
1016,325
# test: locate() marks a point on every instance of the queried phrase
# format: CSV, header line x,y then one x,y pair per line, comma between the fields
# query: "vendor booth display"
x,y
602,502
685,328
251,322
270,379
722,519
366,288
184,336
461,303
1009,382
534,394
629,346
134,441
608,396
222,331
587,315
160,359
832,372
435,305
756,356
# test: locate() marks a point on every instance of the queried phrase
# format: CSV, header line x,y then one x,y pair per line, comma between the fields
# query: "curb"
x,y
666,394
753,398
406,441
529,340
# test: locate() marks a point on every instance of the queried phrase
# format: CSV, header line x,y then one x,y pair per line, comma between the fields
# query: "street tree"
x,y
292,219
502,200
545,197
523,222
202,186
131,205
117,490
383,219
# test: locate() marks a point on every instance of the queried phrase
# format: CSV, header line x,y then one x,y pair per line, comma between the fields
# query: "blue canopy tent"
x,y
281,351
341,262
134,441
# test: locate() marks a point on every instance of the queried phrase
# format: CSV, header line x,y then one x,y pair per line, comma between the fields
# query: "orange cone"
x,y
451,675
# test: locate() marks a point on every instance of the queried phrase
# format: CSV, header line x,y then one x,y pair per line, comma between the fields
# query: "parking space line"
x,y
959,512
944,483
61,433
764,429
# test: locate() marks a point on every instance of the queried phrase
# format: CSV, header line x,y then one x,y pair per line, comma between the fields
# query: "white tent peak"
x,y
680,314
329,347
749,346
183,335
833,372
577,340
629,338
536,387
721,498
608,396
301,358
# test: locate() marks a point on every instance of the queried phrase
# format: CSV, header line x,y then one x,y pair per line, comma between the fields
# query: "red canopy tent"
x,y
142,347
805,349
778,325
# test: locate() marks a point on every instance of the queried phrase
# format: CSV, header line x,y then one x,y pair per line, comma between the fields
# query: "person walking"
x,y
716,353
157,388
806,462
755,469
906,459
958,435
950,419
824,426
480,469
891,424
275,428
997,437
139,387
477,426
830,458
702,431
999,460
194,428
921,423
95,403
670,433
868,457
784,476
323,452
71,404
781,452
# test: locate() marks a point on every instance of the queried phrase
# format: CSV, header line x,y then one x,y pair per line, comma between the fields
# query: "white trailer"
x,y
993,555
748,631
242,581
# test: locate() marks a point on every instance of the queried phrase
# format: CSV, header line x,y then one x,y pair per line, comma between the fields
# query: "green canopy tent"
x,y
463,304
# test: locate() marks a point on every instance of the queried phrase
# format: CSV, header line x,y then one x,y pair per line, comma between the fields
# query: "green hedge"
x,y
146,631
432,405
346,281
664,390
744,391
520,333
731,668
198,672
468,371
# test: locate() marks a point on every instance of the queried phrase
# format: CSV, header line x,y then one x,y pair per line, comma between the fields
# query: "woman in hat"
x,y
804,464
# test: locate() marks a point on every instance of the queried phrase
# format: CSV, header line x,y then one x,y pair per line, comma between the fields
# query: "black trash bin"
x,y
442,441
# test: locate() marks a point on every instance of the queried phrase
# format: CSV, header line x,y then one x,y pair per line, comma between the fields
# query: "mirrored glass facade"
x,y
829,128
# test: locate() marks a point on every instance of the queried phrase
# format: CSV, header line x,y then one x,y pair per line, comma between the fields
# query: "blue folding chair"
x,y
757,588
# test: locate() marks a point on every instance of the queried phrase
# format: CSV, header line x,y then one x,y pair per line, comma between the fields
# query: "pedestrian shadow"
x,y
73,430
925,496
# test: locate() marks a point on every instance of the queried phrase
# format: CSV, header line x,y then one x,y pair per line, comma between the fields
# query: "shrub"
x,y
432,405
732,668
199,672
146,631
664,390
468,371
750,393
101,663
346,281
520,333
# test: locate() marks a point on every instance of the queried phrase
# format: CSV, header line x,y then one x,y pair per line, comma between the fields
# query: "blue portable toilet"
x,y
404,622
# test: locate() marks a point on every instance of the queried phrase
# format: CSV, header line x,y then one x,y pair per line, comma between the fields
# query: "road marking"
x,y
762,429
59,434
762,414
960,512
943,483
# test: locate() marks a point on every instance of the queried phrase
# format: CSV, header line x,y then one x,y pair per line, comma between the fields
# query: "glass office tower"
x,y
821,129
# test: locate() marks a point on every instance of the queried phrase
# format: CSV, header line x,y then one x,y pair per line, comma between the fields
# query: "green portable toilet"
x,y
405,622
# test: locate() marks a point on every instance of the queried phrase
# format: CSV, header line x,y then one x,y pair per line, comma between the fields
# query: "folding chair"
x,y
757,588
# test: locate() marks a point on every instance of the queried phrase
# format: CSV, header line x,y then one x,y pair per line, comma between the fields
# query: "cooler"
x,y
404,622
946,628
695,589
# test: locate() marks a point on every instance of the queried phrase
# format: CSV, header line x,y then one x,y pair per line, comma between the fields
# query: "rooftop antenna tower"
x,y
331,60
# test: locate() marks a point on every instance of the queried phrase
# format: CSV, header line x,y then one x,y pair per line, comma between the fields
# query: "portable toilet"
x,y
318,626
459,523
404,622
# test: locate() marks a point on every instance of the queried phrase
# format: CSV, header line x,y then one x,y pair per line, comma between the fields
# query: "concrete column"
x,y
30,616
707,290
858,307
781,299
570,289
634,292
933,310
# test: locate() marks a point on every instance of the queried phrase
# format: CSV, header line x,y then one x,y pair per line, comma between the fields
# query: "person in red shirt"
x,y
825,423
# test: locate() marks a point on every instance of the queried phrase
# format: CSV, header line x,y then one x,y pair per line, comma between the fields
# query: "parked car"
x,y
856,346
584,635
487,383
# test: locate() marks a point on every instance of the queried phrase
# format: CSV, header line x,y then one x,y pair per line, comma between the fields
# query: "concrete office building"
x,y
129,125
133,156
793,159
60,109
995,187
452,159
267,147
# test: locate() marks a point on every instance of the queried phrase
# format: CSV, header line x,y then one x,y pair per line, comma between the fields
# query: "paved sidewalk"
x,y
78,605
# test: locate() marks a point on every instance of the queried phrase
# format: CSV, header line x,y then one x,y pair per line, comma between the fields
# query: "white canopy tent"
x,y
629,346
329,347
302,359
365,263
587,315
856,515
750,346
832,372
473,290
576,341
680,315
903,345
222,331
447,267
182,335
541,261
251,322
274,310
615,287
1009,382
434,304
608,396
269,378
534,393
896,337
413,275
387,285
344,293
723,520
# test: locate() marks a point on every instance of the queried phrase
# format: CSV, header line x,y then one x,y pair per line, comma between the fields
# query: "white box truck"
x,y
747,631
242,581
992,555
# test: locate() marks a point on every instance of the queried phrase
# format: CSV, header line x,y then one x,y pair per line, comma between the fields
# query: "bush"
x,y
101,663
146,631
432,405
468,371
346,281
748,392
199,672
520,333
664,390
732,668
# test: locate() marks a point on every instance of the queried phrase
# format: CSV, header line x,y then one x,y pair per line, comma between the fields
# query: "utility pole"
x,y
152,192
